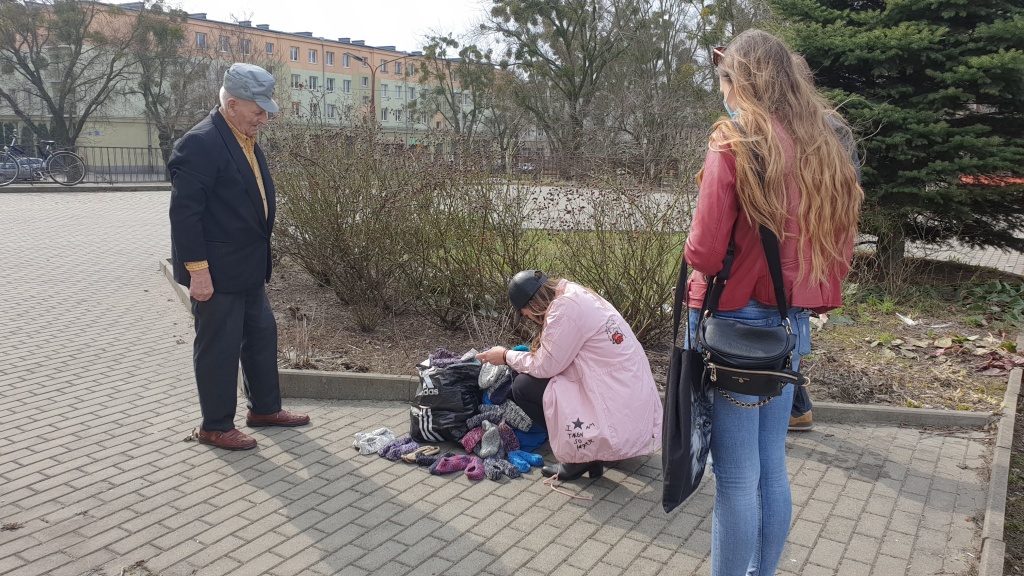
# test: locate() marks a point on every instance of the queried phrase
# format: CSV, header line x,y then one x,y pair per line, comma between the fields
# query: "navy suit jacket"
x,y
216,208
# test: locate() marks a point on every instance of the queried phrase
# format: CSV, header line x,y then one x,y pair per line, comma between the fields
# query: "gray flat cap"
x,y
250,82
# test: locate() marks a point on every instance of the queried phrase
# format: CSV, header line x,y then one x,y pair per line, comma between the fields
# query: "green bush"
x,y
392,230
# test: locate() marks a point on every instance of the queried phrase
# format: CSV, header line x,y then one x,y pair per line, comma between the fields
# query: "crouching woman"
x,y
586,378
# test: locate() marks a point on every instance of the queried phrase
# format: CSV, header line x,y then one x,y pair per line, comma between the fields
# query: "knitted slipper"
x,y
475,469
396,442
431,459
450,464
523,460
491,441
494,468
410,457
509,441
371,442
397,452
472,438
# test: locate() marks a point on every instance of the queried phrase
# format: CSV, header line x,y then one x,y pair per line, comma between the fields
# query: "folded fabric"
x,y
492,375
371,442
515,416
500,393
478,419
475,468
472,438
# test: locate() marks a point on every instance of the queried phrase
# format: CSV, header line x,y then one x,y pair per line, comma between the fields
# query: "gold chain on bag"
x,y
758,404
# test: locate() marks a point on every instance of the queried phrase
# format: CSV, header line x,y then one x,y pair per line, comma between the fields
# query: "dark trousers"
x,y
528,394
801,402
231,328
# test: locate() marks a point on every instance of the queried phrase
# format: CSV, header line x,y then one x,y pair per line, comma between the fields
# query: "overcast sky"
x,y
399,23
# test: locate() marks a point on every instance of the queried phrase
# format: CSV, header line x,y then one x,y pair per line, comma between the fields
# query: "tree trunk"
x,y
890,252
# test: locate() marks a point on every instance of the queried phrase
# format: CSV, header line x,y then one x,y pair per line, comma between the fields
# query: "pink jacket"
x,y
602,403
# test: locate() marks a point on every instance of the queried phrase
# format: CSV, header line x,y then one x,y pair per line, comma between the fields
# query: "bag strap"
x,y
677,305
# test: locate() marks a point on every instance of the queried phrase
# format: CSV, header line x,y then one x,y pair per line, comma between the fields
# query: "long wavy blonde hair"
x,y
771,83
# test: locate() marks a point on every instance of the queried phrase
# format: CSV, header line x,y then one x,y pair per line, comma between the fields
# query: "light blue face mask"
x,y
732,113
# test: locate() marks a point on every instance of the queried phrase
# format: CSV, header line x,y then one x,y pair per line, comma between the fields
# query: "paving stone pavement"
x,y
95,475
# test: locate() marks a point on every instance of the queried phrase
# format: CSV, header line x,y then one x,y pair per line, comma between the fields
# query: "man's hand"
x,y
201,286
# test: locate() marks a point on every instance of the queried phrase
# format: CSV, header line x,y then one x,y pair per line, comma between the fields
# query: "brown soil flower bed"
x,y
861,354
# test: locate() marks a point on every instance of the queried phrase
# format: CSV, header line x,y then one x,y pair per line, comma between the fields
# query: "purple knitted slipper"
x,y
450,464
475,469
509,441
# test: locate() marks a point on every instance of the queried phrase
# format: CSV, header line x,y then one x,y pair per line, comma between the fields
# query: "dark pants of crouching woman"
x,y
528,393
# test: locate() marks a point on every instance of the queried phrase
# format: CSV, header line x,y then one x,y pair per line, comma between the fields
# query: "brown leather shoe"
x,y
282,418
230,440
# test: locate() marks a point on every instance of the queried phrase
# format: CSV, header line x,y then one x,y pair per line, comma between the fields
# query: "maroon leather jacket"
x,y
719,218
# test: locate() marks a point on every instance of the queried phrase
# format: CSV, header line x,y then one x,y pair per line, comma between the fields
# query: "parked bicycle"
x,y
62,166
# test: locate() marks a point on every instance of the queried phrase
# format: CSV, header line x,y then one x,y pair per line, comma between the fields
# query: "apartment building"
x,y
333,80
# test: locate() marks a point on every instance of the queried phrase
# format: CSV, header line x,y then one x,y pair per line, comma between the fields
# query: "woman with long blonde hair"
x,y
782,160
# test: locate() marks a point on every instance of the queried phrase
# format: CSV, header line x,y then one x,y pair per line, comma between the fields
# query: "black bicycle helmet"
x,y
523,286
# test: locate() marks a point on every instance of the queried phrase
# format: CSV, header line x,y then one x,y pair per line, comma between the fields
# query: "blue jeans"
x,y
753,504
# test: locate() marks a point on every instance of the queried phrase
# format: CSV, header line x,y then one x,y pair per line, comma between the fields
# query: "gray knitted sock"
x,y
515,416
491,442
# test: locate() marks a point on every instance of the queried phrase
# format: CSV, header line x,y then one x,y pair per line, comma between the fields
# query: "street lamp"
x,y
373,79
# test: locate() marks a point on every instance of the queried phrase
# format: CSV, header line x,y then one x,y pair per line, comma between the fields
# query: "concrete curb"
x,y
88,187
993,548
368,386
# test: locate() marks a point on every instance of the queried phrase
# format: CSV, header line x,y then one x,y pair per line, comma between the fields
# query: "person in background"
x,y
222,216
801,419
581,339
777,160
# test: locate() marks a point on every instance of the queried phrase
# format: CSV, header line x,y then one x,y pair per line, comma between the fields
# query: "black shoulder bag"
x,y
754,360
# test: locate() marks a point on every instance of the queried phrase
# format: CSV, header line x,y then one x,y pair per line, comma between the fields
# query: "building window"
x,y
398,92
384,115
332,110
329,84
384,67
312,56
412,94
345,60
245,45
366,100
312,82
410,69
201,39
383,90
366,81
365,62
346,86
314,108
270,48
398,115
329,56
295,54
225,44
295,108
437,125
296,81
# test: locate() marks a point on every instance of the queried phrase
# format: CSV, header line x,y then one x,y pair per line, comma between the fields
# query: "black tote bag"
x,y
686,433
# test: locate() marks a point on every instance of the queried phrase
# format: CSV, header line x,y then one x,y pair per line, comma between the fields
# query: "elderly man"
x,y
222,215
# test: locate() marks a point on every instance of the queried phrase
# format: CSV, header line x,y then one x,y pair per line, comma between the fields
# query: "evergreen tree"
x,y
936,90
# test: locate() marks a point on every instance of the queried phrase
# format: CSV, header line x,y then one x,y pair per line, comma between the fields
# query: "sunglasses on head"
x,y
717,54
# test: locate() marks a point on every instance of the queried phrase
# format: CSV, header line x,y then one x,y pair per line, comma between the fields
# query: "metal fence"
x,y
110,164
